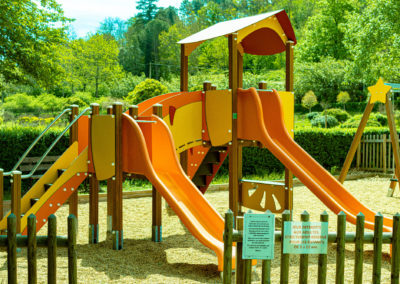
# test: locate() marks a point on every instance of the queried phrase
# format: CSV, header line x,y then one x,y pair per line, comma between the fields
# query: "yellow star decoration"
x,y
378,92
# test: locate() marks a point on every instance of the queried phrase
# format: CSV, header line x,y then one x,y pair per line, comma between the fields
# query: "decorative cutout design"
x,y
172,111
263,196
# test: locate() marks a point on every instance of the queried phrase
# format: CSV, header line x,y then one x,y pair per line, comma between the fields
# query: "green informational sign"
x,y
258,236
305,237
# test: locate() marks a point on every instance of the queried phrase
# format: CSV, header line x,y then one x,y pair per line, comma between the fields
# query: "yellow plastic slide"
x,y
149,150
260,118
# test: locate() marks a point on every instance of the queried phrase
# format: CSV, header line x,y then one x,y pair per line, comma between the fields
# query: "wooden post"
x,y
1,193
12,248
156,235
213,87
110,194
207,86
117,204
358,161
227,273
72,258
93,192
184,70
239,251
52,250
239,69
183,156
31,251
340,249
356,141
384,153
134,111
322,258
73,137
289,88
285,257
377,262
303,277
16,198
395,249
359,249
234,159
395,141
262,85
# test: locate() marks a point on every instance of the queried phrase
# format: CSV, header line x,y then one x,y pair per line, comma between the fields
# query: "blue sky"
x,y
89,13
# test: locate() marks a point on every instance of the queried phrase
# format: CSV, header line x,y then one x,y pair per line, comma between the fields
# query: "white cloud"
x,y
89,13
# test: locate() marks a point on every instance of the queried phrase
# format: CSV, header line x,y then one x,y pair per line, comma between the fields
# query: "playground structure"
x,y
381,92
201,127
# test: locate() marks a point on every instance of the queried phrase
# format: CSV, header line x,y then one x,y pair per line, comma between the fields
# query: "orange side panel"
x,y
165,173
260,118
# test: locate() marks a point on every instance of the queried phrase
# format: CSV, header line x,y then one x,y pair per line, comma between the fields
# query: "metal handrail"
x,y
36,141
54,143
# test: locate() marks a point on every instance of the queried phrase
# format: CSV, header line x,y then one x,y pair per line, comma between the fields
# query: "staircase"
x,y
209,167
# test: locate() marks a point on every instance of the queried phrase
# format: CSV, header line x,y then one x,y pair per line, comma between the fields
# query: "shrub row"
x,y
328,147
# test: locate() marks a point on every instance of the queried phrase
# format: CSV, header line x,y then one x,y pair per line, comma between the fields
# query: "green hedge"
x,y
14,140
328,147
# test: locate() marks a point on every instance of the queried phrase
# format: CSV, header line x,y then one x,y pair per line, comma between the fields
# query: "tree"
x,y
29,34
145,90
113,27
343,98
148,10
309,100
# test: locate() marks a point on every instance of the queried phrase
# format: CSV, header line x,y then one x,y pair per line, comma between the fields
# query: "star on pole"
x,y
378,92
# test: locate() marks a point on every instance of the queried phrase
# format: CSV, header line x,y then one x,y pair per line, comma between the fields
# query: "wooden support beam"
x,y
395,141
184,70
134,111
356,141
1,193
156,235
110,194
289,88
240,69
117,225
93,191
234,147
16,198
73,137
262,85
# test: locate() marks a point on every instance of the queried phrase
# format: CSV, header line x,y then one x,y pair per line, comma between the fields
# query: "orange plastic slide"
x,y
148,149
260,118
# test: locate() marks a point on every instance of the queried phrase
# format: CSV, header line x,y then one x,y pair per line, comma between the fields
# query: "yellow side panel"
x,y
219,116
50,176
103,146
186,127
287,99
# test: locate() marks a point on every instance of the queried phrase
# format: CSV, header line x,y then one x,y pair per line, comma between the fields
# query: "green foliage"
x,y
19,103
322,120
339,114
309,100
30,33
82,99
375,120
145,90
343,98
312,115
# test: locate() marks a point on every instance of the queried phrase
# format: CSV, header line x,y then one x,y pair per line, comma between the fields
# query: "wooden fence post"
x,y
340,249
72,261
12,248
1,193
395,249
262,85
284,256
303,277
52,249
377,264
16,198
32,266
239,253
227,273
156,198
323,258
359,249
384,153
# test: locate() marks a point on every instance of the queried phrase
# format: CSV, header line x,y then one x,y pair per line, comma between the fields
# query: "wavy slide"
x,y
143,141
260,118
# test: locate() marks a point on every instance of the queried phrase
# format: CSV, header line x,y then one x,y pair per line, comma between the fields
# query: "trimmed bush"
x,y
145,90
339,114
312,115
319,121
374,120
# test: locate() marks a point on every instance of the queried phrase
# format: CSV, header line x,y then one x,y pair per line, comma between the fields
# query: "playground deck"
x,y
180,258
